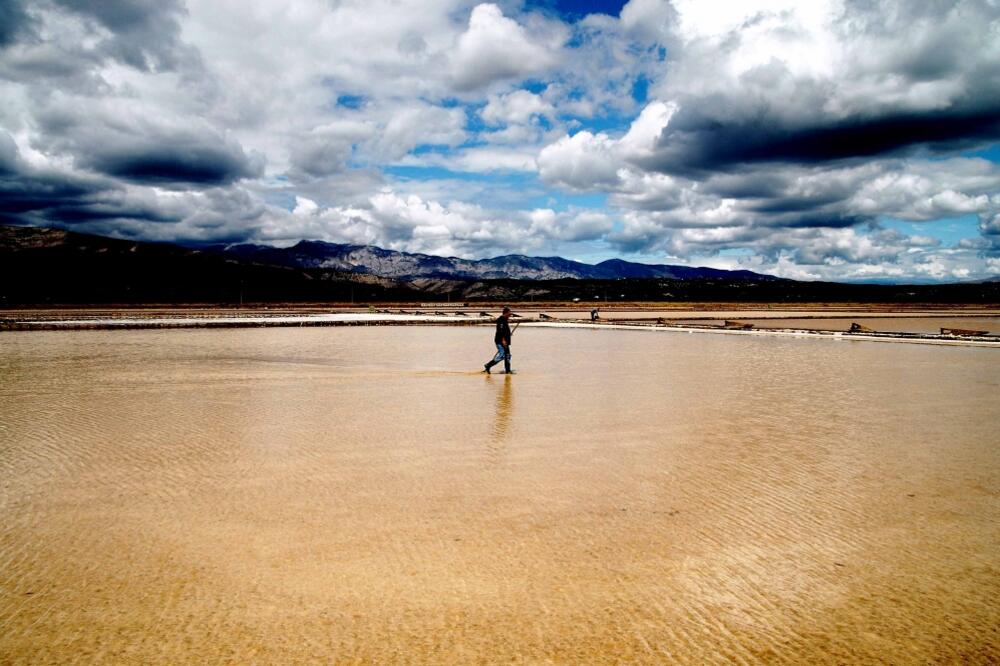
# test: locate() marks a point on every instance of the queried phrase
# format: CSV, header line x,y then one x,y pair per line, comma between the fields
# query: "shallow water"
x,y
363,495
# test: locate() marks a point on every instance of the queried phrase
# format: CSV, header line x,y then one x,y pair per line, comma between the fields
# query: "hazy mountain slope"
x,y
405,265
52,266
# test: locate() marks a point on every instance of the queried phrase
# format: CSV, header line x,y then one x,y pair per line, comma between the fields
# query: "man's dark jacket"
x,y
503,331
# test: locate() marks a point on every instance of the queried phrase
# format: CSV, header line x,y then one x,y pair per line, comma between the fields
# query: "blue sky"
x,y
822,140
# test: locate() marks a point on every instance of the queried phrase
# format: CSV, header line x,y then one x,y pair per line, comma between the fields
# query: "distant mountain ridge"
x,y
41,266
369,259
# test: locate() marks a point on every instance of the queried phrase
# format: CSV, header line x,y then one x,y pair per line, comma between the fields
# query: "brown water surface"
x,y
355,495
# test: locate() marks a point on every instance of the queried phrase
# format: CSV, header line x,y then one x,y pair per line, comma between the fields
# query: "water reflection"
x,y
501,421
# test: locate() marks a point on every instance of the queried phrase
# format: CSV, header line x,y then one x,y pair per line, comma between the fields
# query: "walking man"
x,y
502,340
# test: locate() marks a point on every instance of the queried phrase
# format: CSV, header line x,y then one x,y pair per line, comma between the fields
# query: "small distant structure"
x,y
594,315
963,332
858,328
544,317
484,314
738,325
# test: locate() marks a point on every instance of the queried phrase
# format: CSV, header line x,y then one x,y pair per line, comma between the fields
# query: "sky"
x,y
852,140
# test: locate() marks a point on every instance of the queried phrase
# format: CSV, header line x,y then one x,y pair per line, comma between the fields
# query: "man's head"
x,y
506,312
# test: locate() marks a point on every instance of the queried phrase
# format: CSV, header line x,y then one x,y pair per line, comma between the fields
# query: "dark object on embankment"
x,y
963,332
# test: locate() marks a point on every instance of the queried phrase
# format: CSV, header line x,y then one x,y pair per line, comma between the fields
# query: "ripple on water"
x,y
362,495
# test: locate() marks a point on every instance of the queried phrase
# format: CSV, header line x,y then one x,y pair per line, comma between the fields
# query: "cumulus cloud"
x,y
410,127
582,161
788,198
820,253
412,223
573,226
782,129
404,222
780,134
814,82
518,107
324,150
495,48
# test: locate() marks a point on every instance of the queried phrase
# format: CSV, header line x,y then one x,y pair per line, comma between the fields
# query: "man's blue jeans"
x,y
503,354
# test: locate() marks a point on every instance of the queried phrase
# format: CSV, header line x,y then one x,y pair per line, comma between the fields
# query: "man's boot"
x,y
486,368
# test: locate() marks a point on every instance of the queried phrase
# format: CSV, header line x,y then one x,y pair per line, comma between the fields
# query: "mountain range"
x,y
40,266
371,260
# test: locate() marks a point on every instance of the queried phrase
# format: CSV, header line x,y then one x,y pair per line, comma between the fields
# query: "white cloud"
x,y
583,161
644,133
495,48
573,226
495,159
518,107
325,149
416,125
649,18
828,254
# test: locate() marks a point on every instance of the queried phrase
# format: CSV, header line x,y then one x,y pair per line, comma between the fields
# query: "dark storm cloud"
x,y
24,190
187,161
790,204
9,158
33,195
14,21
127,143
30,196
144,33
875,79
818,220
89,212
100,204
693,143
989,243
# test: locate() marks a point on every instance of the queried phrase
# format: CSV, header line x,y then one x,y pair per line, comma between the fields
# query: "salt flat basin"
x,y
349,495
